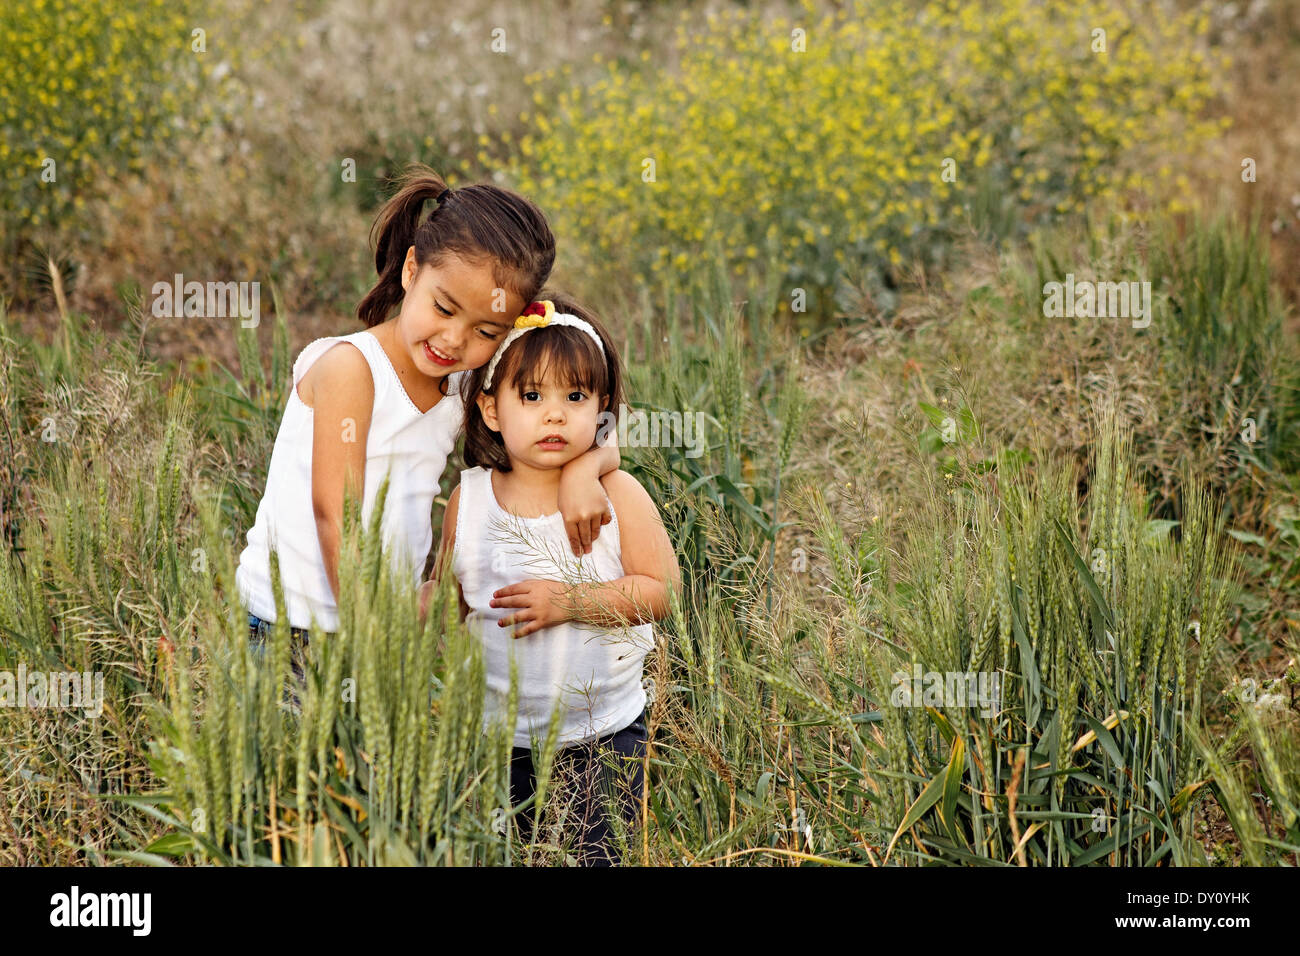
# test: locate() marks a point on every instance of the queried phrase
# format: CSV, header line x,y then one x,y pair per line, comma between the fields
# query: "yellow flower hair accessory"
x,y
539,315
536,315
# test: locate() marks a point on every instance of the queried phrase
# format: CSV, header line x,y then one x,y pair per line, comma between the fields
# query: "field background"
x,y
908,464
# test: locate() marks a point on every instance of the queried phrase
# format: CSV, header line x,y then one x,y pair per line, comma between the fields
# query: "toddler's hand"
x,y
538,604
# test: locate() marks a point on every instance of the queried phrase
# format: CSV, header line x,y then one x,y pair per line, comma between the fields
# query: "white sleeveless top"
x,y
414,446
597,671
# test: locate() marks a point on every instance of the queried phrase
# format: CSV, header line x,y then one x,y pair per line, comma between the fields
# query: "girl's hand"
x,y
537,604
582,498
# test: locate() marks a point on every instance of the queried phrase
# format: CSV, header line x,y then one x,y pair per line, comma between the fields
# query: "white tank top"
x,y
414,446
597,671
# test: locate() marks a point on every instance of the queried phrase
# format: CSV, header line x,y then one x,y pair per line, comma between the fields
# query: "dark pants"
x,y
260,634
584,764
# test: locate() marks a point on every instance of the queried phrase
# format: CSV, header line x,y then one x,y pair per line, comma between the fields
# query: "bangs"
x,y
564,353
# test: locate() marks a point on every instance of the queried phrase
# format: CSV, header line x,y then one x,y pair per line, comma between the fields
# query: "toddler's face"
x,y
548,426
447,322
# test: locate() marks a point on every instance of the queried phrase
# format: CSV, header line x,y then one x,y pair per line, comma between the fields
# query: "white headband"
x,y
539,315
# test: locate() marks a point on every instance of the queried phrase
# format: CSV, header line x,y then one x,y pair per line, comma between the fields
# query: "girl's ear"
x,y
409,268
487,404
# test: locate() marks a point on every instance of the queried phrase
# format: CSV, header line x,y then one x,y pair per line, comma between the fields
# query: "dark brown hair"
x,y
479,223
572,354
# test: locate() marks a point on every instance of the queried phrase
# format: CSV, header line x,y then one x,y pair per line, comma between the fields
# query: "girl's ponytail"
x,y
391,235
480,223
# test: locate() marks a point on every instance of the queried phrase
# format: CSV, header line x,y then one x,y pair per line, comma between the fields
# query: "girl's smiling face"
x,y
447,322
543,424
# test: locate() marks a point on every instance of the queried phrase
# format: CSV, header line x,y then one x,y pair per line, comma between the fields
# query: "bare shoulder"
x,y
646,547
341,373
627,494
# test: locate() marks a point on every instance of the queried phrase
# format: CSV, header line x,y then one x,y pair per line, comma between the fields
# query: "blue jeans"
x,y
586,762
260,633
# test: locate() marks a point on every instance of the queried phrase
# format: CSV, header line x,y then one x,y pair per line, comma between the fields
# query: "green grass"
x,y
830,536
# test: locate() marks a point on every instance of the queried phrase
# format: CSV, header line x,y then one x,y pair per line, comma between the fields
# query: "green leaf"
x,y
734,494
1028,667
945,727
952,787
928,798
1108,845
856,688
1098,599
1158,528
936,415
137,856
1184,795
1106,740
1247,537
171,844
969,428
964,856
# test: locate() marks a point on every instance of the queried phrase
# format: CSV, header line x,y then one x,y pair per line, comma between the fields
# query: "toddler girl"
x,y
578,628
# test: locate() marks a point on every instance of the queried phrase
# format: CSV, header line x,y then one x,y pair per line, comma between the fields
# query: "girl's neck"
x,y
527,491
420,388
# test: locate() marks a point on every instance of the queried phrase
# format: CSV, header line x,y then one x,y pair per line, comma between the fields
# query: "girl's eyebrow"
x,y
447,296
502,324
534,387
